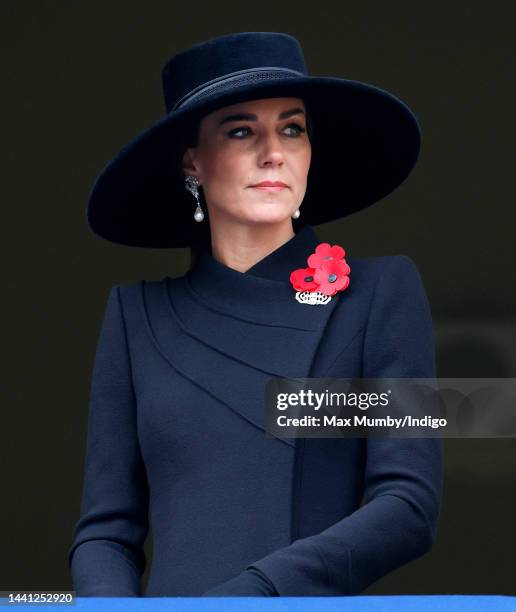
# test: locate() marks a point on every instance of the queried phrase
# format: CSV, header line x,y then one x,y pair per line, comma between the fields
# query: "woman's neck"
x,y
240,247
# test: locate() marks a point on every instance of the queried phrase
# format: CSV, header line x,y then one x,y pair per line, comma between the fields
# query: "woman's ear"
x,y
188,164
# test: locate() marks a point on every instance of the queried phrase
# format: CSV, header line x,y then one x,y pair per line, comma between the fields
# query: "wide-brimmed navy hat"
x,y
365,142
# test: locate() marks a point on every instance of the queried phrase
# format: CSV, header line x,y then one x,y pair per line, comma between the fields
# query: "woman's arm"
x,y
106,557
403,477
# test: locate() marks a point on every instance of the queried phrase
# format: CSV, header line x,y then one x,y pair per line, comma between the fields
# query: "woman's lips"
x,y
270,185
270,188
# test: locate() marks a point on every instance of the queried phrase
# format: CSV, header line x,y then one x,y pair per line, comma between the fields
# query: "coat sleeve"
x,y
398,520
106,557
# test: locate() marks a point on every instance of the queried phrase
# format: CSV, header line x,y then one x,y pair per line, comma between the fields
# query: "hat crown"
x,y
189,72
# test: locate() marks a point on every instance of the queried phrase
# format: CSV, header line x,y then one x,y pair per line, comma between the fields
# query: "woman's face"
x,y
247,143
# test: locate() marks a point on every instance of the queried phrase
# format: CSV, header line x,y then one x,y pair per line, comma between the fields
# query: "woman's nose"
x,y
271,151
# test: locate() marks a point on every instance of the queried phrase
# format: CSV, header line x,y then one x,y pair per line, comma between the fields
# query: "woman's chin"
x,y
269,216
269,211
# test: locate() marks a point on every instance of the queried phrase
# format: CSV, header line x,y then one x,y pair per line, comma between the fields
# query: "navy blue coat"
x,y
176,438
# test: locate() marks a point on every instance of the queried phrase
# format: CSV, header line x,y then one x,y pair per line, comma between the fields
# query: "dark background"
x,y
80,79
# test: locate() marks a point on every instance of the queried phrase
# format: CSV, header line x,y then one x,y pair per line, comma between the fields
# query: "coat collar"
x,y
228,332
264,293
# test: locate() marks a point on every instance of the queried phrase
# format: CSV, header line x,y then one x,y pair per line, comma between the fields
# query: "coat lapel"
x,y
229,332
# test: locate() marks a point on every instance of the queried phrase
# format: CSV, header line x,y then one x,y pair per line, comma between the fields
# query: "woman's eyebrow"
x,y
250,117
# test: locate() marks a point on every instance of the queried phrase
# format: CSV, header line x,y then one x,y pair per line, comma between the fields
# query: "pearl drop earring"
x,y
296,213
192,185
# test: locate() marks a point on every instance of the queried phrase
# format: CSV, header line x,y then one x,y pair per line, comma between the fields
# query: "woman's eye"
x,y
299,129
235,133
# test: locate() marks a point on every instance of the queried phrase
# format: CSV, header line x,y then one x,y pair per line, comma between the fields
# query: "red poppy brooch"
x,y
326,274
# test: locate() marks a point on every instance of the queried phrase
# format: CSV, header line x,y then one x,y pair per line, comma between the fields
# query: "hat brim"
x,y
366,142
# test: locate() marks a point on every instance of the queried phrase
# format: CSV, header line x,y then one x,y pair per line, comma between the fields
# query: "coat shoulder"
x,y
385,271
384,283
380,263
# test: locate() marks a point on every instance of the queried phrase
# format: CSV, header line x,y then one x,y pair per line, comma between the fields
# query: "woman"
x,y
176,434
